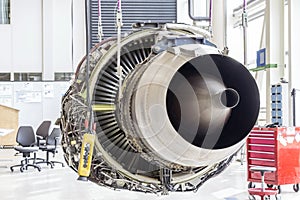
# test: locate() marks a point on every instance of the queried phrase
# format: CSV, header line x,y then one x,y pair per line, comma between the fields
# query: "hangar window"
x,y
63,76
28,76
4,11
4,76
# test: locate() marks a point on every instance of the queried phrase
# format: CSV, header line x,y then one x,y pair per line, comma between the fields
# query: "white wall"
x,y
48,40
182,12
62,35
79,31
26,35
39,38
5,48
21,40
63,32
37,101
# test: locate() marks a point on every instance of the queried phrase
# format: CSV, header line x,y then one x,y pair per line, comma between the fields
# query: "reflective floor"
x,y
60,184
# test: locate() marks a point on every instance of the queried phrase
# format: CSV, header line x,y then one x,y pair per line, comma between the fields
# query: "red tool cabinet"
x,y
275,147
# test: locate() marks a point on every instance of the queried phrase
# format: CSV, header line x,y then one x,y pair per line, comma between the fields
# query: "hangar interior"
x,y
131,99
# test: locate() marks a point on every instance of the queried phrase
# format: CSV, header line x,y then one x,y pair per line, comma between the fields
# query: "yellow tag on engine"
x,y
86,154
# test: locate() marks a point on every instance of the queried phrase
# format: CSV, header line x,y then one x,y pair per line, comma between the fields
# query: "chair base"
x,y
24,166
49,162
53,162
34,159
45,162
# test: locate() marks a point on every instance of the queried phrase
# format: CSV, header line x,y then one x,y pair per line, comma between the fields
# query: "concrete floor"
x,y
61,184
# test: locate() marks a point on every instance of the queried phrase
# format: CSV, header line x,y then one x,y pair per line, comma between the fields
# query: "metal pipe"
x,y
274,47
293,94
72,33
290,69
43,37
294,106
195,18
268,72
245,25
87,72
210,9
225,23
119,25
280,32
210,16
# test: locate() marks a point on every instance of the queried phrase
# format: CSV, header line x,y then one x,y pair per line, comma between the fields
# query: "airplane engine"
x,y
181,112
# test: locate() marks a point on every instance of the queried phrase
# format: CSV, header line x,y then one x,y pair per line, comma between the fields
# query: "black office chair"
x,y
26,140
52,142
42,133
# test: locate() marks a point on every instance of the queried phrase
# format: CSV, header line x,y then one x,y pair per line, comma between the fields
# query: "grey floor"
x,y
61,184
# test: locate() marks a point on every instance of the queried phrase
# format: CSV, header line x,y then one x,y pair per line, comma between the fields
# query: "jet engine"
x,y
171,120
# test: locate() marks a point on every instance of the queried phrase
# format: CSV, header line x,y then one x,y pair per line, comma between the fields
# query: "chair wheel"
x,y
251,185
267,197
296,187
279,189
11,169
251,197
38,168
21,169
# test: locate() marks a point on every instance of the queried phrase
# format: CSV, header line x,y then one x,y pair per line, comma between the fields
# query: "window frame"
x,y
5,8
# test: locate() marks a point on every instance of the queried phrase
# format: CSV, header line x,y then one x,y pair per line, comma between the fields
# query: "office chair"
x,y
52,142
26,140
42,133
